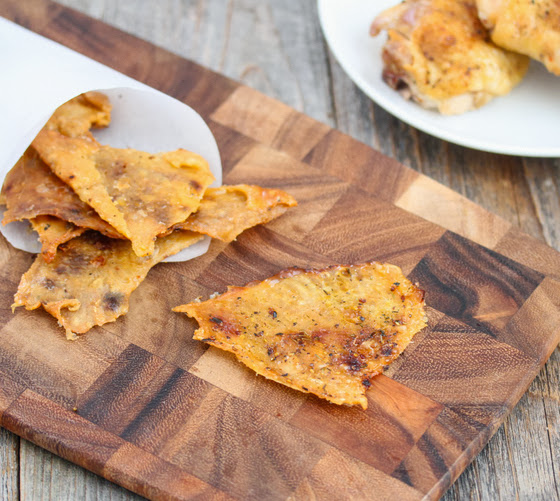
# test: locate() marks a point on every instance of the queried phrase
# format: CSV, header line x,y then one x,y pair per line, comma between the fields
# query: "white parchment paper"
x,y
38,75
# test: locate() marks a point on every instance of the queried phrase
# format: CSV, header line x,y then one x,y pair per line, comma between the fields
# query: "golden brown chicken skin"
x,y
438,53
531,27
326,332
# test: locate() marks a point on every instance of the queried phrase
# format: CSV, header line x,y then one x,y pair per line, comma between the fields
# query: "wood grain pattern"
x,y
440,205
381,436
346,158
142,472
331,475
169,418
9,484
474,284
60,430
269,122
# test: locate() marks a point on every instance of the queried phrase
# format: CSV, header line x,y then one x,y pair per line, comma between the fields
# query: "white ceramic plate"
x,y
525,122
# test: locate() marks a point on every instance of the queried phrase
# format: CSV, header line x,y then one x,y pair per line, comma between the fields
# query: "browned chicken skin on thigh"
x,y
530,27
438,53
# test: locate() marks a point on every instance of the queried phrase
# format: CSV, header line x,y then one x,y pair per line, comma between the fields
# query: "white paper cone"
x,y
38,75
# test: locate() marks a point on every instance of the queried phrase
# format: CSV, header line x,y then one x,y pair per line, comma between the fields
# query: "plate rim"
x,y
418,122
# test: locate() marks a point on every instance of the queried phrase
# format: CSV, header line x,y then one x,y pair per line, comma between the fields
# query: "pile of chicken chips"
x,y
105,216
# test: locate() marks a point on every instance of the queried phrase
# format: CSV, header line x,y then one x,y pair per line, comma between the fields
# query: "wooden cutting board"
x,y
142,404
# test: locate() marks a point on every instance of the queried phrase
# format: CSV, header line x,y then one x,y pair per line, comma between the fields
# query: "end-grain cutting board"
x,y
142,404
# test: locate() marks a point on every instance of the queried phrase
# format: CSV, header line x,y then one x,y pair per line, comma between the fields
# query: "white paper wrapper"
x,y
38,75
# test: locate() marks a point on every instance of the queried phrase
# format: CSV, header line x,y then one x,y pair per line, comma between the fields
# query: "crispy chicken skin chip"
x,y
31,189
76,117
52,233
529,27
326,332
227,211
438,54
140,194
91,277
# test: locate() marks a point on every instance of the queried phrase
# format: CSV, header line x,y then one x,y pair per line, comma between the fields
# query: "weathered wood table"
x,y
277,47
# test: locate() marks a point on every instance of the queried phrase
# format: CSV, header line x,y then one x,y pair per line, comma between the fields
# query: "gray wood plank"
x,y
273,46
9,464
276,47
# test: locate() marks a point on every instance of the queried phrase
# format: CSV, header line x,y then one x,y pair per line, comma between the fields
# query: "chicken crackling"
x,y
326,332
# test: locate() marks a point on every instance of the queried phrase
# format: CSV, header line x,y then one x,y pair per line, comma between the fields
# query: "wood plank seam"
x,y
548,435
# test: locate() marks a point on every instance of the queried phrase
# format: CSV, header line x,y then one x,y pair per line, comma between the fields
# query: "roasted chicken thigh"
x,y
439,54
